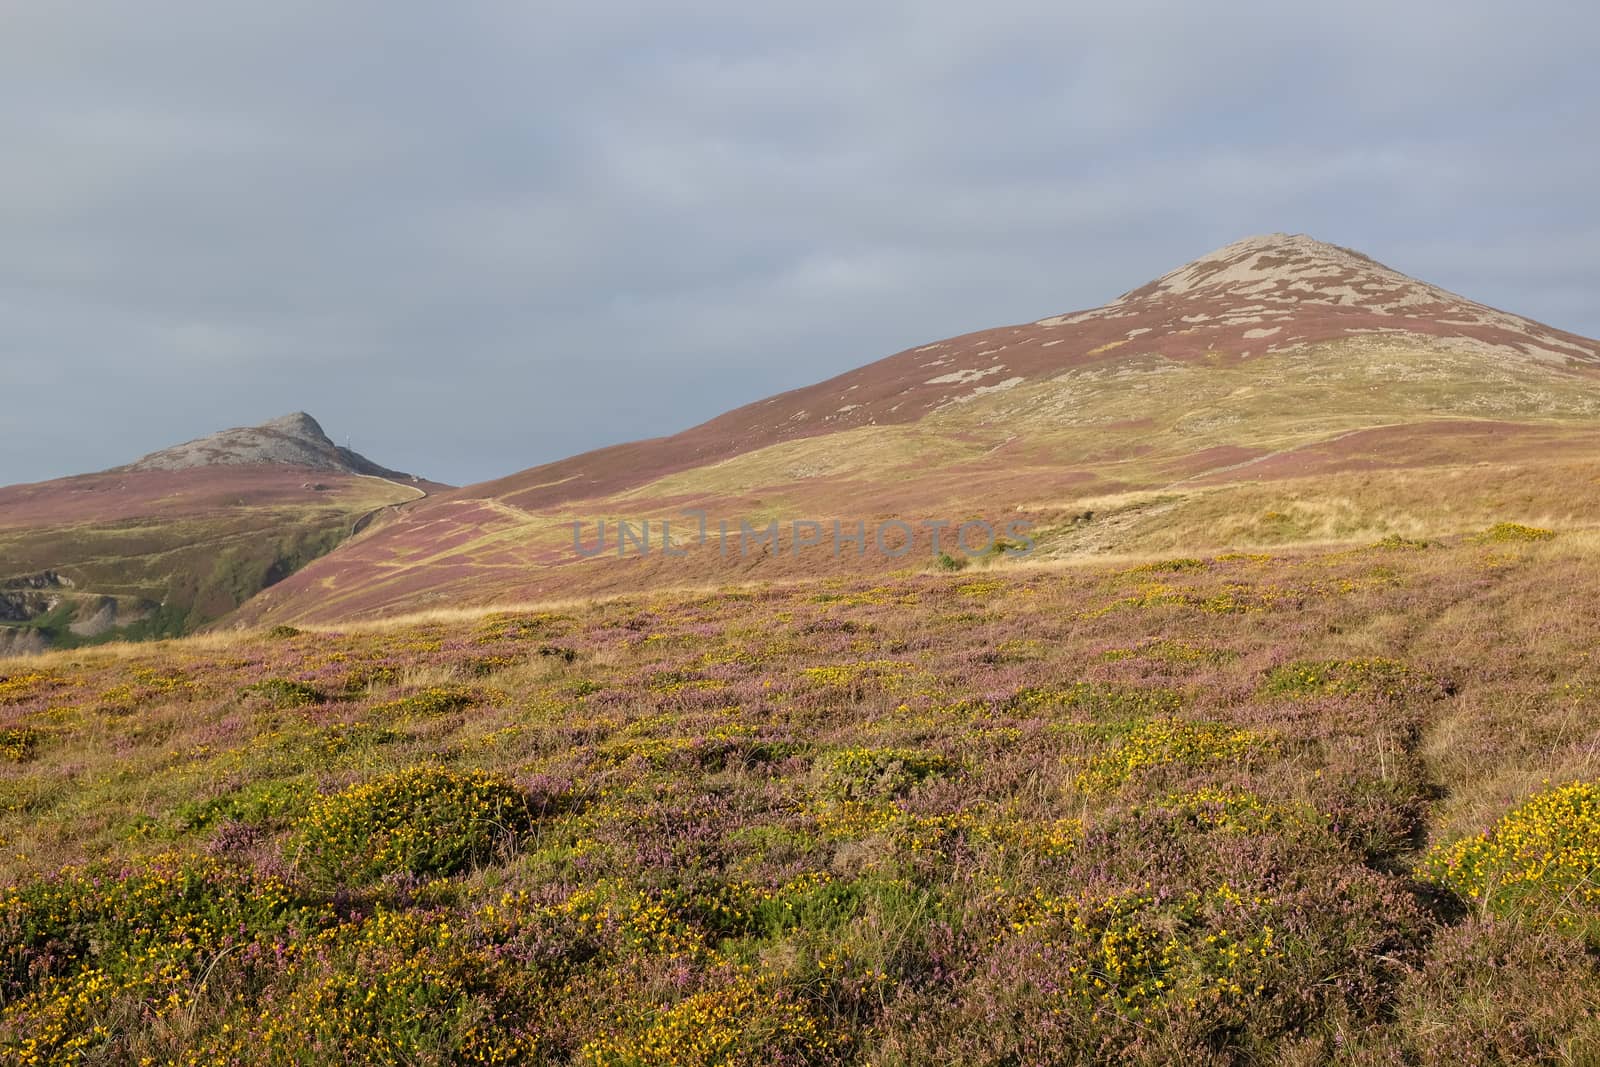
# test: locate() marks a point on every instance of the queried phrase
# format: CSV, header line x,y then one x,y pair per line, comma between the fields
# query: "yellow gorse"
x,y
1165,742
1542,859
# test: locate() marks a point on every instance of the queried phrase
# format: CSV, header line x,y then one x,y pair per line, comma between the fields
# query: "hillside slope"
x,y
1277,390
181,536
1337,807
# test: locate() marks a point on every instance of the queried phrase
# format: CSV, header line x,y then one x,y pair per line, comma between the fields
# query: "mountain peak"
x,y
296,424
1302,243
1294,269
293,440
1278,290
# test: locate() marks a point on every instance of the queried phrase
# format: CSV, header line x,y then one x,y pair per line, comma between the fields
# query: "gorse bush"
x,y
717,1028
1340,677
106,919
284,693
260,804
1097,700
1169,566
1541,860
1132,949
397,988
883,672
425,821
983,587
15,688
1176,652
1513,532
435,700
860,773
1165,742
1234,811
89,947
1397,543
17,743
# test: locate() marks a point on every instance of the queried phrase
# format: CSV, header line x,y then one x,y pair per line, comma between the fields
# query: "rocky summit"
x,y
294,440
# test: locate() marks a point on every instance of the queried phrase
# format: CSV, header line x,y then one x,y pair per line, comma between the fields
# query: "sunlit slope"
x,y
1337,806
1277,377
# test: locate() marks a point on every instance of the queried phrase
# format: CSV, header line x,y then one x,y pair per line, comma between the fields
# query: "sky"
x,y
470,238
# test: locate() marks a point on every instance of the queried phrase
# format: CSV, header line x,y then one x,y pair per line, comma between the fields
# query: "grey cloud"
x,y
476,237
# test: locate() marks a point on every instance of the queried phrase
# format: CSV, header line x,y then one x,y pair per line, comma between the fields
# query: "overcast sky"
x,y
473,237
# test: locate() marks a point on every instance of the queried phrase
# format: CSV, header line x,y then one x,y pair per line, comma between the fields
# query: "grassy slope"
x,y
1342,442
181,563
1156,814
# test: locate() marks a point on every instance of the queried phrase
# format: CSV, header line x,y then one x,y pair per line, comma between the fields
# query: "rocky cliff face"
x,y
29,596
15,642
51,597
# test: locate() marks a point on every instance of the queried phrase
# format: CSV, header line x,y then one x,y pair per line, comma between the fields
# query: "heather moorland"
x,y
1320,805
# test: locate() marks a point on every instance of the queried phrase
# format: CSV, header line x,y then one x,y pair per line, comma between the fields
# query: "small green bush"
x,y
861,773
1110,703
1396,543
1512,532
425,703
264,804
1171,651
425,821
1166,742
18,743
359,681
1541,860
91,948
1170,566
283,693
1342,677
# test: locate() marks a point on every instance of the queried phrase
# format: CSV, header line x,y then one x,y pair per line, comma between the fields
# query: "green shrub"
x,y
1511,532
1396,543
1339,677
361,679
265,804
860,773
1166,742
1181,653
283,633
736,1025
1170,566
18,743
946,562
396,988
1099,700
86,951
1542,859
117,921
425,703
422,821
283,693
